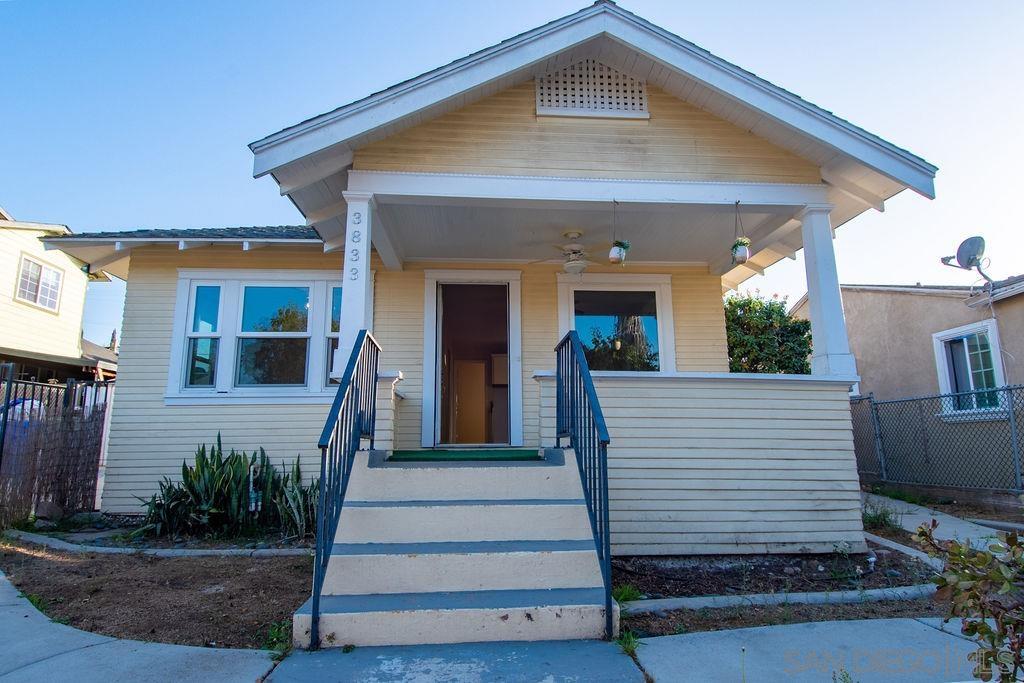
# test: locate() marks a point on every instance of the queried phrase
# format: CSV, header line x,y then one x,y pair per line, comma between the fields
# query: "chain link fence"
x,y
971,440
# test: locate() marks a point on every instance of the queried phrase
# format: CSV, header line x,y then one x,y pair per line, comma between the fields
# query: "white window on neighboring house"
x,y
39,284
254,336
969,365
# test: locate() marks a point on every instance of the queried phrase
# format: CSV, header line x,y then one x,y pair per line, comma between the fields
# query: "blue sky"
x,y
119,115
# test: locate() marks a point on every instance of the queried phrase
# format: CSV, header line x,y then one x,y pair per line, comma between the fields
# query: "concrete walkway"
x,y
37,649
950,528
870,651
548,662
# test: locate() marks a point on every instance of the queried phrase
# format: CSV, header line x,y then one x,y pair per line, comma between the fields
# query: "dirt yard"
x,y
206,601
661,577
692,621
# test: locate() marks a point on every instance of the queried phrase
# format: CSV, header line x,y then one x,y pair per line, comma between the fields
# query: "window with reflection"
x,y
204,337
273,338
618,329
333,331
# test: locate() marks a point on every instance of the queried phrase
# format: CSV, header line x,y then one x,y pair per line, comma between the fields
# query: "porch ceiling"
x,y
436,229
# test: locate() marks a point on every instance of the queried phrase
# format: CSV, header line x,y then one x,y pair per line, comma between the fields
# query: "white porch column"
x,y
831,351
355,281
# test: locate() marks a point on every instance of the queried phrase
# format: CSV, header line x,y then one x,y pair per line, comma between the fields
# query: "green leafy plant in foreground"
x,y
626,592
629,642
278,638
232,495
986,590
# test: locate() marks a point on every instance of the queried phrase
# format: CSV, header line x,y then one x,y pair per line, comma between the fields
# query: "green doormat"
x,y
491,454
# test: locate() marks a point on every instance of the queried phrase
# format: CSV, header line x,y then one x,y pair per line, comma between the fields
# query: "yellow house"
x,y
42,298
459,227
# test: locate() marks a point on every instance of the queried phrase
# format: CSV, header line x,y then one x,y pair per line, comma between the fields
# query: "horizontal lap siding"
x,y
503,135
148,439
728,466
398,325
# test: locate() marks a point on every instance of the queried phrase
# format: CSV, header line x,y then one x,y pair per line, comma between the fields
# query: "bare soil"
x,y
901,536
206,601
971,511
662,577
692,621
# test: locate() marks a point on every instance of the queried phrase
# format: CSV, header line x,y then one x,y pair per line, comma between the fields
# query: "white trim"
x,y
387,184
232,281
430,427
549,375
939,340
660,284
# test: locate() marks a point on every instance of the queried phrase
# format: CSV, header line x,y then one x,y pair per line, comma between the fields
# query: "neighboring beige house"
x,y
42,299
921,340
465,218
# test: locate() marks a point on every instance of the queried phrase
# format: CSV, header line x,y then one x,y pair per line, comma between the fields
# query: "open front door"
x,y
472,364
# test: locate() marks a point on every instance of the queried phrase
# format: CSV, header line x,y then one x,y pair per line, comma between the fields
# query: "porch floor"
x,y
462,455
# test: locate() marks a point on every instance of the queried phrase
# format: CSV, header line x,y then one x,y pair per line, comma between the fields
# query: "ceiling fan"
x,y
574,252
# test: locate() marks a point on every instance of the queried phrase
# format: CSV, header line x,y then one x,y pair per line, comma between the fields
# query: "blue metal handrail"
x,y
579,418
350,420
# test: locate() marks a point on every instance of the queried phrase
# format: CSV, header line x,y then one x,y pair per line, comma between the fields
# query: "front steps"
x,y
448,552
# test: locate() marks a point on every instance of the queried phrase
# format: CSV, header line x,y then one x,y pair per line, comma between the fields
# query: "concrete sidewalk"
x,y
950,528
870,651
37,649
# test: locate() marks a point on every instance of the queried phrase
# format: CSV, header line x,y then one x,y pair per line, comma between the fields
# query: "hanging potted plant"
x,y
618,252
741,250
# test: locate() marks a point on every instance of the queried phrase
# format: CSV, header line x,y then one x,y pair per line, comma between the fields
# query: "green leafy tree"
x,y
763,337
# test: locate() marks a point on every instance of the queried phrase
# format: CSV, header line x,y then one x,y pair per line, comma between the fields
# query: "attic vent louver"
x,y
590,88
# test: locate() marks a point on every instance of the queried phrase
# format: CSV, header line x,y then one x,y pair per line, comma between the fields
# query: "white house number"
x,y
356,238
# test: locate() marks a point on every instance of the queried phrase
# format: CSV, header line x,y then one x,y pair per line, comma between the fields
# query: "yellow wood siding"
x,y
31,328
502,134
149,439
707,466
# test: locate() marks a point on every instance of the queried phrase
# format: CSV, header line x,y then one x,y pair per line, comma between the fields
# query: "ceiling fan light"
x,y
574,267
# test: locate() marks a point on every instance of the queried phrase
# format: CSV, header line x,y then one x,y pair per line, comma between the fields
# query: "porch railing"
x,y
580,420
350,420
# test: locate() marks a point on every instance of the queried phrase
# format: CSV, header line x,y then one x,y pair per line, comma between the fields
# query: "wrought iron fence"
x,y
970,440
580,419
350,420
51,443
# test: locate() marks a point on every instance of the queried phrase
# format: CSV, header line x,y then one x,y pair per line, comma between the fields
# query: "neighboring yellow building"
x,y
466,218
42,300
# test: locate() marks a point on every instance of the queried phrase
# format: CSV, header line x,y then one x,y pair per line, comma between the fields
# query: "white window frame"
x,y
430,427
942,369
232,282
660,284
43,266
190,334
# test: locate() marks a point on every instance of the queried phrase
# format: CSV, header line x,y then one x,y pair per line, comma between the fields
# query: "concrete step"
x,y
374,479
455,617
379,568
429,521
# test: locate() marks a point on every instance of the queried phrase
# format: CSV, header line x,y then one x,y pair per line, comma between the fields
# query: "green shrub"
x,y
879,517
986,590
233,495
626,592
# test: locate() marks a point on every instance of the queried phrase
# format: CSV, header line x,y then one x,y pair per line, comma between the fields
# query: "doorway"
x,y
473,364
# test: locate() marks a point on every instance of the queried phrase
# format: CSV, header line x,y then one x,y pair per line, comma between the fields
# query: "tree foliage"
x,y
763,337
985,588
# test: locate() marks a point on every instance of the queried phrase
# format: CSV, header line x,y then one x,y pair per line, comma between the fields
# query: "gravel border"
x,y
57,544
915,592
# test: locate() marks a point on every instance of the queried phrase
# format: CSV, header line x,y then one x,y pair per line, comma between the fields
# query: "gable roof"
x,y
624,41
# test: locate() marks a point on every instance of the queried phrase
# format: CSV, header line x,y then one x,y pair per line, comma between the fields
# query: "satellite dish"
x,y
970,251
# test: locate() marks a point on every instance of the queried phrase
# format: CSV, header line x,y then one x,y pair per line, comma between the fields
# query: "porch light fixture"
x,y
575,253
